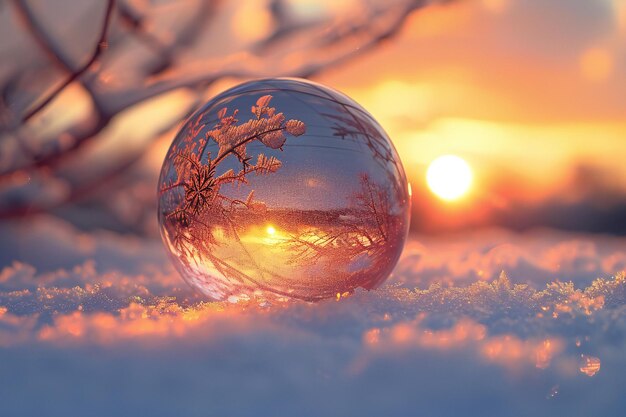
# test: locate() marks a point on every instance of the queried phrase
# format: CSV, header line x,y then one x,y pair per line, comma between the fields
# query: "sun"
x,y
449,177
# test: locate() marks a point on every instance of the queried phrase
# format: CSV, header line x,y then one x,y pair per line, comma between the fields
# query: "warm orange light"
x,y
590,365
596,64
272,236
496,6
449,177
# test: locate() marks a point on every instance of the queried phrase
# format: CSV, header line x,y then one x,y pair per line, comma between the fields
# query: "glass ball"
x,y
282,189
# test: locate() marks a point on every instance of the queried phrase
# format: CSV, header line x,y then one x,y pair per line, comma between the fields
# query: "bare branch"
x,y
166,63
100,46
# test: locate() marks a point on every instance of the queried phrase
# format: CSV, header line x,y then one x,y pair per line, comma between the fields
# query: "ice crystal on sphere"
x,y
280,189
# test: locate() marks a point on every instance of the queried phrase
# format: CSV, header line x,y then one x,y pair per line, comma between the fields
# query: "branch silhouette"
x,y
161,65
38,34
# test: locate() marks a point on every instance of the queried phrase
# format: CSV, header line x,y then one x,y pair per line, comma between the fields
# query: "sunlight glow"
x,y
496,6
449,177
271,238
596,64
590,365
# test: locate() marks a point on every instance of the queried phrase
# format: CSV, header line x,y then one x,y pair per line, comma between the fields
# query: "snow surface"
x,y
99,324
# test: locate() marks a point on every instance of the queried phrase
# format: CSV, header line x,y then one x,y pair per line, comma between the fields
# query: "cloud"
x,y
581,198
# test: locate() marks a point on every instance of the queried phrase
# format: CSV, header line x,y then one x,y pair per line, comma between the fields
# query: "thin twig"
x,y
339,45
101,45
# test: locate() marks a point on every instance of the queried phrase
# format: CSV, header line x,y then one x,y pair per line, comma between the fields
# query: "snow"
x,y
99,324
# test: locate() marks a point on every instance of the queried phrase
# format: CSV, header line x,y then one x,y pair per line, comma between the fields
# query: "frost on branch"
x,y
190,224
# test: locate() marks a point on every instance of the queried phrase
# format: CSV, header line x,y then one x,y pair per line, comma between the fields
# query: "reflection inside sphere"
x,y
282,188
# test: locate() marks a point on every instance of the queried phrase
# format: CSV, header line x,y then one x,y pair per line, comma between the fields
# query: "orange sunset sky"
x,y
530,93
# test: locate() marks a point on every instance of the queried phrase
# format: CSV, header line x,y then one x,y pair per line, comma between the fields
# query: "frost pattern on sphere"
x,y
282,188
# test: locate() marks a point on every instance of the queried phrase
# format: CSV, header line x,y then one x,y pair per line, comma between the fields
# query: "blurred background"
x,y
527,94
509,299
